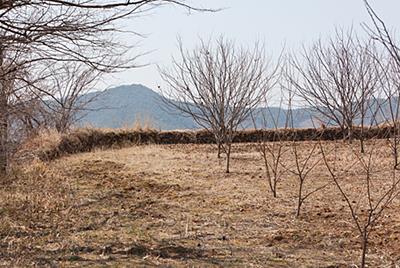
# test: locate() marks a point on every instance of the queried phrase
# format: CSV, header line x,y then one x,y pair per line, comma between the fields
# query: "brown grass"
x,y
172,205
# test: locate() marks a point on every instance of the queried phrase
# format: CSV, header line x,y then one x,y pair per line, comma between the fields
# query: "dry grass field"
x,y
174,206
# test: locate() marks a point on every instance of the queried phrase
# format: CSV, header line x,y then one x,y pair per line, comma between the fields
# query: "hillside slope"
x,y
124,105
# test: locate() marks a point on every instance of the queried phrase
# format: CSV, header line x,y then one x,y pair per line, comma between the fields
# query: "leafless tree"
x,y
389,105
272,153
373,196
390,79
380,32
6,86
12,99
337,79
64,96
36,34
218,86
305,162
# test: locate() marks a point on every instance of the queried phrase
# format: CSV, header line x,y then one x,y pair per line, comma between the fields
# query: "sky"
x,y
277,23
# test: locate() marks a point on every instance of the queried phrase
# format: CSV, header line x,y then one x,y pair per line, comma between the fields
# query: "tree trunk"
x,y
299,199
228,157
395,153
362,138
395,148
274,188
364,248
3,133
3,118
350,133
362,144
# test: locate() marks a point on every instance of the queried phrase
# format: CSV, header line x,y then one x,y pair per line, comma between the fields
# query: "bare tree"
x,y
36,34
305,162
64,96
337,80
218,86
389,105
275,154
381,33
373,196
10,99
5,92
272,153
369,75
390,79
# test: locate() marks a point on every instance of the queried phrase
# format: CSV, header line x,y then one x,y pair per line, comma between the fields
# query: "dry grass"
x,y
49,145
173,205
31,148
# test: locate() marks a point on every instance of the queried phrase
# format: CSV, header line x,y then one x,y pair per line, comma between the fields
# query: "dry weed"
x,y
172,205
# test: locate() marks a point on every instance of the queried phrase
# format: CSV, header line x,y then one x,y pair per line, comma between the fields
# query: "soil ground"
x,y
174,206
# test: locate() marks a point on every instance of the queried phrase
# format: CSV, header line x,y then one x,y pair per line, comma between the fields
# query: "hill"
x,y
126,105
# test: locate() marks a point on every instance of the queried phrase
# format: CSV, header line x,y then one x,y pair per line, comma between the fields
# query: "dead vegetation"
x,y
160,205
50,145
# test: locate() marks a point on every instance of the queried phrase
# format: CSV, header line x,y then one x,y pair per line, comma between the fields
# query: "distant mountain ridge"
x,y
125,106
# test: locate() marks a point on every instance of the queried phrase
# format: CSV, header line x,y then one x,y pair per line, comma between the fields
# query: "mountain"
x,y
127,105
124,106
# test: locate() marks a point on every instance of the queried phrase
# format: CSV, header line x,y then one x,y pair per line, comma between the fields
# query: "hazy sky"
x,y
275,22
